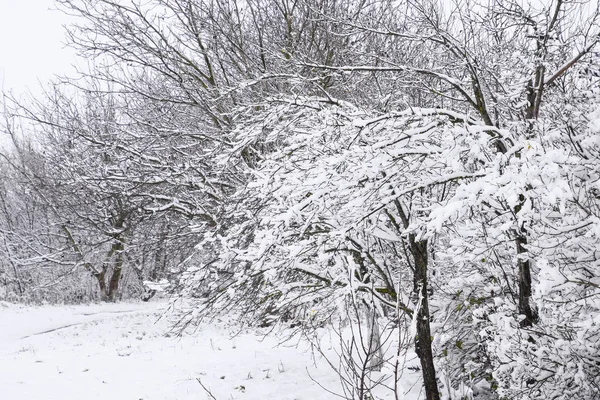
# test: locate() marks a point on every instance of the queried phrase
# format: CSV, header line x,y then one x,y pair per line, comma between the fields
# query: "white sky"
x,y
31,44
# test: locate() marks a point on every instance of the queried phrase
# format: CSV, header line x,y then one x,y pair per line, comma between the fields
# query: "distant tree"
x,y
103,198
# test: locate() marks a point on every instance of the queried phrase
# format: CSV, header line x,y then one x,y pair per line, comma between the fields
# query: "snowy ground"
x,y
123,351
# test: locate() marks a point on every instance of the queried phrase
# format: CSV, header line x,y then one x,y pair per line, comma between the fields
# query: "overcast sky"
x,y
31,44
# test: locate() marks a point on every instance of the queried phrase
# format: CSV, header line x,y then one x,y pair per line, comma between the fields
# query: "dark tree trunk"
x,y
524,284
102,285
423,338
113,285
524,270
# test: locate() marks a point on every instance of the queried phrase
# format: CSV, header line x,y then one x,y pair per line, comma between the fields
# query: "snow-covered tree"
x,y
494,80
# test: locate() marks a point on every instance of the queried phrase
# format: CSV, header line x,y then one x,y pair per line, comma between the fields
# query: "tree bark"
x,y
102,285
524,270
423,338
113,285
524,284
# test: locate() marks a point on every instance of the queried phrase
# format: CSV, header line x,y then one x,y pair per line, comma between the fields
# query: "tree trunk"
x,y
524,284
113,286
524,269
102,285
423,338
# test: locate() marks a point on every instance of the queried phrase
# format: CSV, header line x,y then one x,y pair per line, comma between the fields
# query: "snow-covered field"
x,y
123,351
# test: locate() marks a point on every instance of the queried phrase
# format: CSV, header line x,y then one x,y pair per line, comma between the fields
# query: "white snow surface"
x,y
124,351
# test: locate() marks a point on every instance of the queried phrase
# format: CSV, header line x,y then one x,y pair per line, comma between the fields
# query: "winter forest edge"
x,y
411,175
